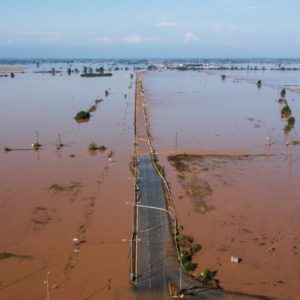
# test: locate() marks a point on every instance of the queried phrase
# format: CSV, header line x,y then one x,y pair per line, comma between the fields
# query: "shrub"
x,y
286,111
82,115
282,101
189,266
283,93
92,108
93,147
287,128
97,101
258,83
102,148
179,227
36,146
4,255
291,121
208,275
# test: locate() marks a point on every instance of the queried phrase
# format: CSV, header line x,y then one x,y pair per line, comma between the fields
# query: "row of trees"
x,y
286,112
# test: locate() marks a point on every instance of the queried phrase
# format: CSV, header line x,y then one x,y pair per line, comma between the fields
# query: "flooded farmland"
x,y
60,209
233,170
231,165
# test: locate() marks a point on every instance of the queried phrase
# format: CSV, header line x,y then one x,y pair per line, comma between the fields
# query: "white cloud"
x,y
165,24
133,39
190,37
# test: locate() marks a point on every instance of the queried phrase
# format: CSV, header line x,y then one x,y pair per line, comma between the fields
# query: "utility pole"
x,y
47,285
37,137
136,244
180,271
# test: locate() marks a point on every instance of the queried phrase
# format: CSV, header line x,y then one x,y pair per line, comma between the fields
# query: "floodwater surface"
x,y
61,210
237,190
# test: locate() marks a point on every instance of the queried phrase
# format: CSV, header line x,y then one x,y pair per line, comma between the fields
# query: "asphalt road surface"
x,y
156,258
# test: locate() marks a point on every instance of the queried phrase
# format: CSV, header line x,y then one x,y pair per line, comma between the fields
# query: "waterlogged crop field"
x,y
234,170
59,208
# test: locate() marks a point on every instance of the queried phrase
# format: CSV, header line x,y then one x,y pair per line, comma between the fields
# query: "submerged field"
x,y
59,208
233,171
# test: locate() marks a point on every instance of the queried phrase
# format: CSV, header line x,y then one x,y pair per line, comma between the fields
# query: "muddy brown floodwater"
x,y
63,210
237,190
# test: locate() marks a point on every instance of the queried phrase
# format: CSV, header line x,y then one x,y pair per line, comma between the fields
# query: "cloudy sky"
x,y
156,28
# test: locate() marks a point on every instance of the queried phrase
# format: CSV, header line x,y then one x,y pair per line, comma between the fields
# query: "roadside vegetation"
x,y
187,248
161,169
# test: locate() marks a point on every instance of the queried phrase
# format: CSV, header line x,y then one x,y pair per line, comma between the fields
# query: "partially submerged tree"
x,y
291,121
286,111
283,93
93,147
259,83
82,115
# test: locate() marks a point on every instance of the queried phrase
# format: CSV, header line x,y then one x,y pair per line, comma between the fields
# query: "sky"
x,y
149,29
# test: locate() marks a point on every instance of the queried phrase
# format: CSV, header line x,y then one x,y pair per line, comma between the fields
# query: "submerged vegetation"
x,y
296,143
36,146
208,278
187,247
74,186
5,255
283,93
96,75
95,147
92,108
282,101
286,111
290,124
291,121
97,101
82,115
259,83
